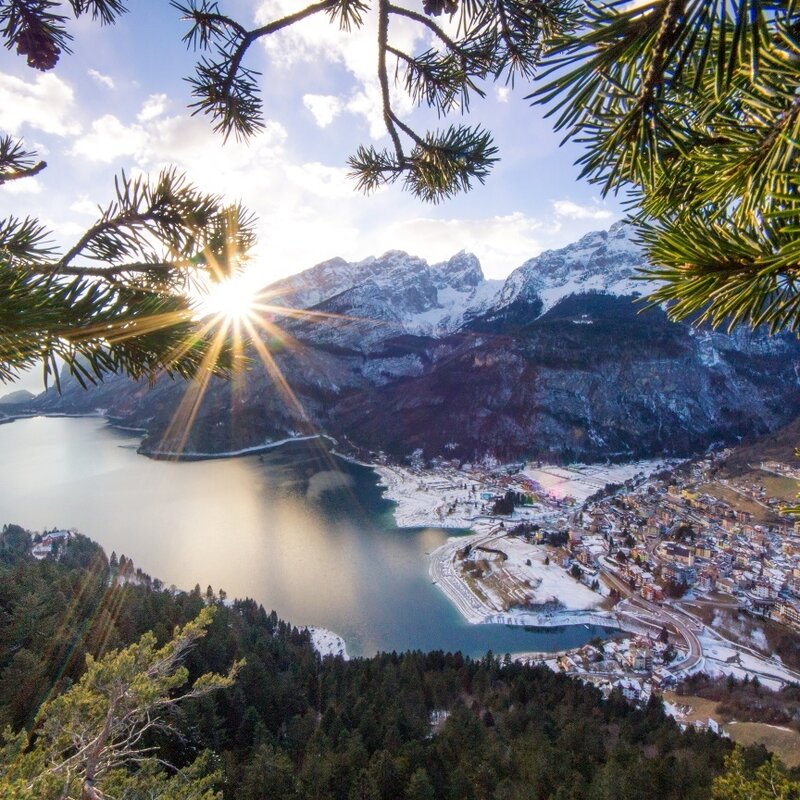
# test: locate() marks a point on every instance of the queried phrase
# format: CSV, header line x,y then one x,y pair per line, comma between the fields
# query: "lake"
x,y
298,529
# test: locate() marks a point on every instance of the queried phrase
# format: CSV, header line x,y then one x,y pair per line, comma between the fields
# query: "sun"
x,y
233,299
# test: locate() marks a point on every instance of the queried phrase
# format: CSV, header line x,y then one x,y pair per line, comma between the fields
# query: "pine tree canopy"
x,y
92,741
694,106
689,107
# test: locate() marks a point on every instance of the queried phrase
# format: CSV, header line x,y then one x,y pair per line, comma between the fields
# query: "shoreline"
x,y
165,455
7,418
478,612
254,450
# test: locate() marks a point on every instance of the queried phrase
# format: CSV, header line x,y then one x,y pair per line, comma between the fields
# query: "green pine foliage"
x,y
769,781
119,299
692,106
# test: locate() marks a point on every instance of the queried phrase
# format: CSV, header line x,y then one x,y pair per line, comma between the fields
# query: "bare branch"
x,y
383,79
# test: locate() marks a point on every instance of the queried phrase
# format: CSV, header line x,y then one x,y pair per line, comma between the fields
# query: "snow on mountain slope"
x,y
397,288
601,261
414,297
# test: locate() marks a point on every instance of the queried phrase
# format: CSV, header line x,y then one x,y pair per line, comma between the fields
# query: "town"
x,y
699,571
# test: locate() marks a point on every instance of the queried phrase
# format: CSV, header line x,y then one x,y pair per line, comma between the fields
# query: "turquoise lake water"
x,y
300,530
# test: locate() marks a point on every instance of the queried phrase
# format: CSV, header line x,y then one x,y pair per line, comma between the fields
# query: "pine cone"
x,y
435,8
34,42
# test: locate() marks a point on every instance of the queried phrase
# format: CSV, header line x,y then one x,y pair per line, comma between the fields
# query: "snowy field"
x,y
426,499
724,658
583,480
514,592
551,582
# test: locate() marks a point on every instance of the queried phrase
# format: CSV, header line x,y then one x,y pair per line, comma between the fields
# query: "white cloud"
x,y
566,208
23,186
367,102
317,39
109,139
46,104
321,180
153,107
324,107
503,94
105,80
83,205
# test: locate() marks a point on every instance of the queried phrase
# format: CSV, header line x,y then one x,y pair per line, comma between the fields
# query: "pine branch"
x,y
496,40
16,162
115,301
38,31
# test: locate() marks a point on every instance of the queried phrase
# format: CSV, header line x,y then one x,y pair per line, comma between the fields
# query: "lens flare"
x,y
231,299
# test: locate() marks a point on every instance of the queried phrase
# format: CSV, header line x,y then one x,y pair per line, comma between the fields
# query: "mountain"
x,y
556,362
601,261
396,288
17,397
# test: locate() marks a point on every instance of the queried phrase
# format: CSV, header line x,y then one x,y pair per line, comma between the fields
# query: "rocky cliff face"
x,y
554,363
397,289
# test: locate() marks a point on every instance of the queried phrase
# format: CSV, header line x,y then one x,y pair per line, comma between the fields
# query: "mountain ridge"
x,y
555,363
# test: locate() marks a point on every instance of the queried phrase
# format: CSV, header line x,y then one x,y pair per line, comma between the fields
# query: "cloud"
x,y
324,107
503,94
45,104
153,107
317,39
322,180
109,139
23,186
501,242
566,208
105,80
83,205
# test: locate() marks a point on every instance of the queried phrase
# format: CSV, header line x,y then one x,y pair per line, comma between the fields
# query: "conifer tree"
x,y
693,108
91,742
118,299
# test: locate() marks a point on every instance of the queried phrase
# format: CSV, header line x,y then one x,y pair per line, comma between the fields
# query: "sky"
x,y
119,103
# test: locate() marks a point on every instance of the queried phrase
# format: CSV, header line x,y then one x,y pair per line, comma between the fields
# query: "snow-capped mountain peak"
x,y
425,299
600,261
395,287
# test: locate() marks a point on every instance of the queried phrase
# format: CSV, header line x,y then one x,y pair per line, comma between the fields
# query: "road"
x,y
661,616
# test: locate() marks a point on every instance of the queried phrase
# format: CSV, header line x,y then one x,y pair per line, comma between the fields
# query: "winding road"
x,y
661,616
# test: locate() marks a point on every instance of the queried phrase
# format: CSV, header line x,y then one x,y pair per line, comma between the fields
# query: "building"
x,y
49,543
703,550
653,593
762,589
679,553
677,573
788,613
640,656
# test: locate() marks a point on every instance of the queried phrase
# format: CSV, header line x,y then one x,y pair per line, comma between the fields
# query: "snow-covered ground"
x,y
535,593
724,658
436,497
552,583
245,451
583,480
425,499
327,643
